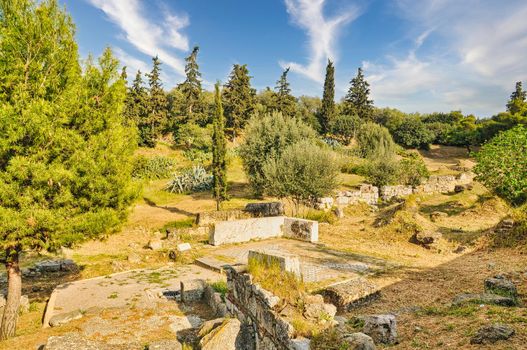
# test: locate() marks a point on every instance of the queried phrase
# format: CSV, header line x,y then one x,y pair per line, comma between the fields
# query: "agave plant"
x,y
192,180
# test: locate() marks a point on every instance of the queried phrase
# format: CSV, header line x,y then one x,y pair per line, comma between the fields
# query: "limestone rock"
x,y
183,247
339,212
222,337
192,290
425,239
347,295
359,341
501,285
381,328
492,333
74,341
24,304
59,320
48,266
484,298
319,311
265,209
155,244
165,345
301,344
209,325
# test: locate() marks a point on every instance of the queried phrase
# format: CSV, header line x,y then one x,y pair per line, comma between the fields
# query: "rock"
x,y
165,345
155,244
320,311
222,337
268,257
180,323
301,344
425,239
460,249
265,209
346,296
484,298
492,333
459,188
48,266
183,247
501,285
192,290
24,304
59,320
74,341
134,258
436,215
359,341
209,325
381,328
339,212
67,265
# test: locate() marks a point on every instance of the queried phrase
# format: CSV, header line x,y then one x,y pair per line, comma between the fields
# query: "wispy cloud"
x,y
479,51
146,36
322,34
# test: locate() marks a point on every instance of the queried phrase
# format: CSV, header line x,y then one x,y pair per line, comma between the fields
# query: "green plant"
x,y
194,137
220,287
412,170
375,141
157,167
413,133
346,127
320,216
381,172
191,180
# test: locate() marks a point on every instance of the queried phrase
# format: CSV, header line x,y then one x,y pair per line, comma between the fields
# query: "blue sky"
x,y
418,55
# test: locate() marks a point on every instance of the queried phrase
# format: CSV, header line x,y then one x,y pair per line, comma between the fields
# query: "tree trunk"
x,y
14,291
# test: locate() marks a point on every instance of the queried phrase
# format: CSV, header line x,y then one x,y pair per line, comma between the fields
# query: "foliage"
x,y
307,110
517,103
191,87
283,101
136,110
357,99
327,112
412,170
157,106
195,137
219,150
413,133
240,98
157,167
502,165
266,138
381,171
375,141
345,127
302,173
191,180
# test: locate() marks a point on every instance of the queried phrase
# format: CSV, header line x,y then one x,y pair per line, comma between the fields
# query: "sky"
x,y
418,55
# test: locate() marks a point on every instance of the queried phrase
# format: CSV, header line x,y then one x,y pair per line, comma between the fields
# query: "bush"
x,y
303,173
265,139
502,165
412,170
375,141
192,136
345,127
158,167
413,133
192,180
381,172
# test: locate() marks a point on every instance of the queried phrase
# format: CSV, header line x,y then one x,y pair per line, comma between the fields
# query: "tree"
x,y
136,109
157,103
375,141
191,87
327,111
266,137
65,151
502,165
516,103
413,133
357,99
219,150
346,127
284,102
302,173
240,98
307,110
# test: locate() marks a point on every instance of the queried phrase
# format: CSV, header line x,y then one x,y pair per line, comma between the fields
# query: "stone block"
x,y
359,341
346,296
265,209
213,217
287,262
155,244
381,328
183,247
192,290
501,285
484,298
239,231
301,229
59,320
223,336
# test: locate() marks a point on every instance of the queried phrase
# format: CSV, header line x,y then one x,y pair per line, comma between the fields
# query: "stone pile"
x,y
49,266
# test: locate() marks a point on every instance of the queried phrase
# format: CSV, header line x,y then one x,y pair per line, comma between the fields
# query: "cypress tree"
x,y
327,112
219,149
517,101
357,99
240,98
284,102
191,87
157,104
136,109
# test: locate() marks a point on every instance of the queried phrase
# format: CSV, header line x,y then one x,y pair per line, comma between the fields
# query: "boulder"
x,y
425,239
23,306
381,328
192,290
155,244
183,247
339,212
319,311
501,285
265,209
492,333
348,295
484,298
223,336
74,341
359,341
209,325
59,320
301,344
459,188
48,266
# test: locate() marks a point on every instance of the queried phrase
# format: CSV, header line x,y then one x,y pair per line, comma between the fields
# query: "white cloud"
x,y
148,37
322,34
132,64
478,53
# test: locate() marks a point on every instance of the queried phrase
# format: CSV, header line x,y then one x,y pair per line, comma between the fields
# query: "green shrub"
x,y
375,141
265,139
381,172
412,170
345,127
502,165
321,216
198,156
191,180
413,133
302,173
157,167
192,136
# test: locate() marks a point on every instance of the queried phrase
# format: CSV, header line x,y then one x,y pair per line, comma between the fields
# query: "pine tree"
x,y
327,112
157,105
65,151
517,101
219,149
284,102
240,98
191,87
357,99
136,109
